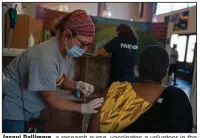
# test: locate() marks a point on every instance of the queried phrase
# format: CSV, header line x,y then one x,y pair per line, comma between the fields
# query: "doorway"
x,y
186,46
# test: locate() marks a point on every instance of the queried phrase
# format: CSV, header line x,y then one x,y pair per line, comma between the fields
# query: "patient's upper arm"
x,y
94,122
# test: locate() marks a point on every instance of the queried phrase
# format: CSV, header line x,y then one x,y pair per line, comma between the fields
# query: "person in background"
x,y
146,106
124,49
34,75
173,62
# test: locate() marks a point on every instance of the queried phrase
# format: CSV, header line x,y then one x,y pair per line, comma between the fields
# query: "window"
x,y
192,4
174,40
183,42
179,6
169,7
163,8
181,47
190,49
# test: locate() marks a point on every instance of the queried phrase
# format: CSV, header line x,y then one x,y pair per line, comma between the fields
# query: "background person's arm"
x,y
107,49
176,54
101,52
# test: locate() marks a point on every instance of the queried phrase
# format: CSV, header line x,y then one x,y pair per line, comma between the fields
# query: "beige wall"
x,y
122,10
148,12
30,8
91,8
126,11
191,21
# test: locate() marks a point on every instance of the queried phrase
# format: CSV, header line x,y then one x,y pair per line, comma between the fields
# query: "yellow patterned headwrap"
x,y
121,108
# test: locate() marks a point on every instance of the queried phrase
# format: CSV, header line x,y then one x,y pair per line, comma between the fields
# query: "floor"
x,y
183,84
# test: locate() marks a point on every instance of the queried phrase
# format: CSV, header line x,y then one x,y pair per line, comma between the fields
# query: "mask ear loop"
x,y
66,32
71,36
66,44
73,39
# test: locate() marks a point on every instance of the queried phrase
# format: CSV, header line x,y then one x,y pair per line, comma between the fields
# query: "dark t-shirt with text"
x,y
124,51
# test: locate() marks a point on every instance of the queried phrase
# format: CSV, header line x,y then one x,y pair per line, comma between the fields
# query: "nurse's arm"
x,y
58,103
94,122
69,84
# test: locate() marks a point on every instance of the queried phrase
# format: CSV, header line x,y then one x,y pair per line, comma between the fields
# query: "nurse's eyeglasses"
x,y
84,45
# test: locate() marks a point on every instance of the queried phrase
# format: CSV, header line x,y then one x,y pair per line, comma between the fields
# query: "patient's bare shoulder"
x,y
94,122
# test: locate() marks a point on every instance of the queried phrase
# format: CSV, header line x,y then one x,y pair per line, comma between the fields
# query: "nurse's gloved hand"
x,y
90,107
85,88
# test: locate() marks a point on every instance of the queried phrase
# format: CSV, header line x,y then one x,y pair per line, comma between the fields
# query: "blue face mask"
x,y
75,51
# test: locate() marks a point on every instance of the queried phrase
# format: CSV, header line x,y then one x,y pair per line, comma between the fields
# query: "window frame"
x,y
187,42
171,9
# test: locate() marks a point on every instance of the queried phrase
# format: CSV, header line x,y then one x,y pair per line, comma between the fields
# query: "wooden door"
x,y
20,33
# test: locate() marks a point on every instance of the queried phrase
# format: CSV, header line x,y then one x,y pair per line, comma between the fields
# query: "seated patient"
x,y
145,106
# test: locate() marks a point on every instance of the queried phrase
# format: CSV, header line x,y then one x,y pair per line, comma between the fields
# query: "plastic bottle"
x,y
78,94
31,41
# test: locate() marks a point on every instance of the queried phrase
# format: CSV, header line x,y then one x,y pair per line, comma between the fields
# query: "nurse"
x,y
33,76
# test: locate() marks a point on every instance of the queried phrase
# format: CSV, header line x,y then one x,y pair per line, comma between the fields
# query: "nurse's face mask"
x,y
79,48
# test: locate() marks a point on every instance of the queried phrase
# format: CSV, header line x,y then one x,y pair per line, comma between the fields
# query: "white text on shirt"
x,y
129,46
